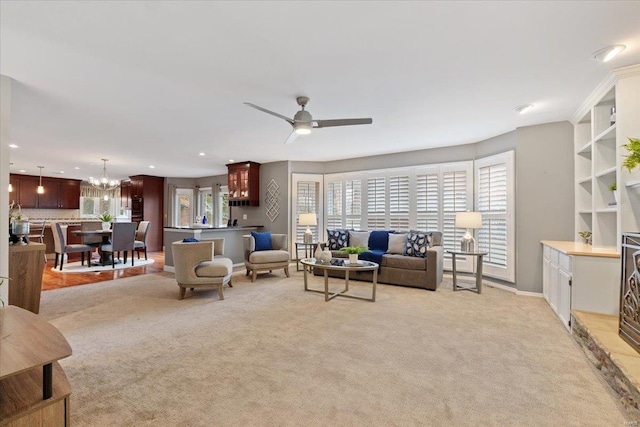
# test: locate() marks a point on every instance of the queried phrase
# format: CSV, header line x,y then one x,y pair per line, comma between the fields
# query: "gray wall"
x,y
544,196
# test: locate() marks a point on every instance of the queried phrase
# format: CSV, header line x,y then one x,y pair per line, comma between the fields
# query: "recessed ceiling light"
x,y
523,108
13,146
231,160
151,167
202,154
22,171
77,168
608,53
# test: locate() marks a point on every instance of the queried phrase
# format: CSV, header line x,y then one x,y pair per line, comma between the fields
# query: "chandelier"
x,y
104,183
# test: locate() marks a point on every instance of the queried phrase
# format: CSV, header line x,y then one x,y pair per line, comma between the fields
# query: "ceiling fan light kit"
x,y
303,122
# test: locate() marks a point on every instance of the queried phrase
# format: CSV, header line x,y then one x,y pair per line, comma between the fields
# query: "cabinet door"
x,y
28,192
136,188
554,285
125,194
546,271
49,199
564,296
15,184
69,195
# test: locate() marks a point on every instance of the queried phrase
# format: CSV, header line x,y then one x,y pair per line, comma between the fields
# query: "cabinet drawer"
x,y
565,262
545,252
554,256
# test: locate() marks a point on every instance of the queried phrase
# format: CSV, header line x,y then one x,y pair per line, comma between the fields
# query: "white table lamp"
x,y
308,219
468,220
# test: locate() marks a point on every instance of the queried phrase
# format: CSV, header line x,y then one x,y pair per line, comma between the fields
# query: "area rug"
x,y
77,267
271,354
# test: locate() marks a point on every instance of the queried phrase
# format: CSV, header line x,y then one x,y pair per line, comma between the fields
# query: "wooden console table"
x,y
34,389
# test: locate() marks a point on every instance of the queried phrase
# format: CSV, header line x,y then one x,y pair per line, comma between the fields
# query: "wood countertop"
x,y
582,249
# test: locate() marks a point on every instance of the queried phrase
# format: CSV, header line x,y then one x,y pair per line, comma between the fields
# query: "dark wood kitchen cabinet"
x,y
244,184
125,195
146,198
58,193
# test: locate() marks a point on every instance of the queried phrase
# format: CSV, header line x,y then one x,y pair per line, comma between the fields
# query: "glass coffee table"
x,y
340,264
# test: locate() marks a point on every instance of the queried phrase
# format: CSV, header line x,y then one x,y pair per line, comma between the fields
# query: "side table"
x,y
478,255
309,250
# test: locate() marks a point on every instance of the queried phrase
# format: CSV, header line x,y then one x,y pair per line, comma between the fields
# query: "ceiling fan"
x,y
302,122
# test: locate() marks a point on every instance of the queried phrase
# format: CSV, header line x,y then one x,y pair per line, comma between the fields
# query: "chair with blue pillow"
x,y
265,252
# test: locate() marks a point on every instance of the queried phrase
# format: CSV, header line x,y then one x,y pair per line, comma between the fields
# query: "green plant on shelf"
x,y
353,250
613,187
105,217
586,236
1,282
633,157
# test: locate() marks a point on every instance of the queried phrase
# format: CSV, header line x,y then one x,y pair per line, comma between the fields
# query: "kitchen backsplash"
x,y
52,214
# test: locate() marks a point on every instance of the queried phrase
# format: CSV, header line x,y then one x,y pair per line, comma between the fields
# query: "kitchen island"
x,y
233,244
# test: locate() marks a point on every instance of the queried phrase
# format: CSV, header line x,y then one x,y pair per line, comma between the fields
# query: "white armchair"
x,y
278,257
199,265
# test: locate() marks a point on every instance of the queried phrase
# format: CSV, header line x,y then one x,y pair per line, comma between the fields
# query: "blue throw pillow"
x,y
379,240
417,244
190,240
263,240
337,239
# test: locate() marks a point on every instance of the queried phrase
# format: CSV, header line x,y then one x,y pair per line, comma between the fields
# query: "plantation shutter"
x,y
307,196
427,211
353,204
494,178
334,205
454,199
399,202
376,203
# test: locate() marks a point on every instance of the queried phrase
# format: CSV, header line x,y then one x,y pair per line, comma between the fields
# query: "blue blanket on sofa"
x,y
373,256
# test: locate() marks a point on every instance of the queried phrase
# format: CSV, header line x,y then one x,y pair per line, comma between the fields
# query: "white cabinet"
x,y
576,276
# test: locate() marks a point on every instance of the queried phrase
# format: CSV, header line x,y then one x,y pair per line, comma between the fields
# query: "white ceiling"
x,y
155,83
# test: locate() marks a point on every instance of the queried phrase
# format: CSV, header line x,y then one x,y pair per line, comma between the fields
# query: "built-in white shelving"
x,y
598,140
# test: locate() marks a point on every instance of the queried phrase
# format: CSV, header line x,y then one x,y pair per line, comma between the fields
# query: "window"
x,y
427,201
376,203
223,206
205,204
93,203
183,206
307,197
399,202
307,194
494,193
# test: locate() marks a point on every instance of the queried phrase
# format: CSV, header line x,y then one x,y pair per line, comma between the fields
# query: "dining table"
x,y
105,257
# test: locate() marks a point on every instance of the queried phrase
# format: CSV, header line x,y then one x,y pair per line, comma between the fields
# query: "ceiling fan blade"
x,y
341,122
269,112
291,138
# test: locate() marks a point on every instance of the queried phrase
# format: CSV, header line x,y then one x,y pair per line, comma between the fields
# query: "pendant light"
x,y
104,183
40,187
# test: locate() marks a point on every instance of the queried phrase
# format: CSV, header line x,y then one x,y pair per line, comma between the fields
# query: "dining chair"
x,y
36,233
122,239
62,248
141,238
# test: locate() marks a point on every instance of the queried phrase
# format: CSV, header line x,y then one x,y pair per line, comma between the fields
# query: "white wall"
x,y
5,118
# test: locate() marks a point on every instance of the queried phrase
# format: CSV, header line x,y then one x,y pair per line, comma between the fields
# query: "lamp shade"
x,y
308,219
468,220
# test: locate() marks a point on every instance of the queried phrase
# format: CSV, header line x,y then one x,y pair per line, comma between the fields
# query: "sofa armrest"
x,y
435,264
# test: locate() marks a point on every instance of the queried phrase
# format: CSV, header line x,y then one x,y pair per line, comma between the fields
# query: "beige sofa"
x,y
403,270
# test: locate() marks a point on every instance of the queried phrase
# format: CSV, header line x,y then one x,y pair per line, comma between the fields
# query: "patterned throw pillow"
x,y
417,244
337,239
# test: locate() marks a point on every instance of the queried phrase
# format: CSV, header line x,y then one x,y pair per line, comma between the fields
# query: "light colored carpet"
x,y
272,354
77,267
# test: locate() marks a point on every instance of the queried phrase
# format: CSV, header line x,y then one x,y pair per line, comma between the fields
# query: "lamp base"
x,y
308,237
467,244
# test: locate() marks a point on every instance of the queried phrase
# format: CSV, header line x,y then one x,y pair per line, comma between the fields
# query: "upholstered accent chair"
x,y
141,238
200,265
62,248
122,239
266,260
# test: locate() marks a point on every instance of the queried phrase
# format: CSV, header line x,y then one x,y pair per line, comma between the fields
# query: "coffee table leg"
x,y
304,267
375,282
346,281
326,284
